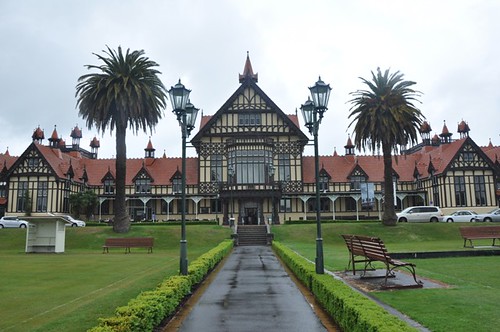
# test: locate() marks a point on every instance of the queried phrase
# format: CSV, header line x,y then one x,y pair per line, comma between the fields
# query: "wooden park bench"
x,y
366,249
127,243
470,233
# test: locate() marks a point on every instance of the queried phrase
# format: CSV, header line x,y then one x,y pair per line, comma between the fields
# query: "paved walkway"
x,y
252,292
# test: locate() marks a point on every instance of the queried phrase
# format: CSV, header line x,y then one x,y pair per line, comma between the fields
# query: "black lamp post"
x,y
271,181
313,110
186,115
230,173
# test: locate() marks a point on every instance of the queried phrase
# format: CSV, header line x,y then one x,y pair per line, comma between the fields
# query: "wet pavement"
x,y
251,292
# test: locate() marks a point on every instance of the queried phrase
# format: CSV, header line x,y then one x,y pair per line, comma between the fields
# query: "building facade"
x,y
251,167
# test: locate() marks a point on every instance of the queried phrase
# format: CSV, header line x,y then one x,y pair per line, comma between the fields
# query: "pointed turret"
x,y
445,134
54,138
76,134
463,129
38,135
349,147
94,147
425,132
149,150
248,71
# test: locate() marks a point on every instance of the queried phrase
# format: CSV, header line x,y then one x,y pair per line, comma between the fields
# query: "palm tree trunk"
x,y
389,217
122,221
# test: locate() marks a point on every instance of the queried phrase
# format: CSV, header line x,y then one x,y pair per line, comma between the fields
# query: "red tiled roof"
x,y
340,167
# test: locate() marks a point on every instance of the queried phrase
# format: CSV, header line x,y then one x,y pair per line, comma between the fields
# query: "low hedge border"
x,y
149,308
350,310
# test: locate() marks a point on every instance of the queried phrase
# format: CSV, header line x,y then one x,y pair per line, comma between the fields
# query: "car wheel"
x,y
449,220
1,226
403,220
434,219
472,220
73,225
487,219
22,226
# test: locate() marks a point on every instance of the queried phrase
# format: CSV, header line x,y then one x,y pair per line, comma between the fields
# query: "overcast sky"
x,y
449,47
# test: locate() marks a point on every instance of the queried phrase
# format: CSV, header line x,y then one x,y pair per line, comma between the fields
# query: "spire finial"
x,y
248,71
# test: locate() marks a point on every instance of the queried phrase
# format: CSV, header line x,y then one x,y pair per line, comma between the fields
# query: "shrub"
x,y
149,308
350,310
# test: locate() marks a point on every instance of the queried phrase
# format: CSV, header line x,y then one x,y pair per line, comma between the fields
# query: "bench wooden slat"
x,y
128,242
365,249
470,233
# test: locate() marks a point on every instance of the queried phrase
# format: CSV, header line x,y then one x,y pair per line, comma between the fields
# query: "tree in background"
x,y
28,208
125,92
83,203
384,117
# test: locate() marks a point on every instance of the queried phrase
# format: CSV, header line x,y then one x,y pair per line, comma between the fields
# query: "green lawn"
x,y
56,292
469,304
69,291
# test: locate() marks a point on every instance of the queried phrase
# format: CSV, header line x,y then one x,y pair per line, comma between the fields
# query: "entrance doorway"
x,y
251,216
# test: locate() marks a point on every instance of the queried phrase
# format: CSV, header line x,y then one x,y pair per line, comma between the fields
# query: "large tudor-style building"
x,y
251,166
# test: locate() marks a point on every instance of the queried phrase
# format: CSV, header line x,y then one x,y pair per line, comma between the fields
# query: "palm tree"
x,y
125,92
386,118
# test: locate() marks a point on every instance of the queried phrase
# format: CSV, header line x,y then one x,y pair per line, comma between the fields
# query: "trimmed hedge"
x,y
350,310
149,308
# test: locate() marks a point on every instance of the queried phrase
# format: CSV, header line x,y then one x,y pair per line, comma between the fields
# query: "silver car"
x,y
461,216
420,214
493,215
13,222
74,222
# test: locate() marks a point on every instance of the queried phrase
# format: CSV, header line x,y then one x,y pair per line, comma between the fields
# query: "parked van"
x,y
420,214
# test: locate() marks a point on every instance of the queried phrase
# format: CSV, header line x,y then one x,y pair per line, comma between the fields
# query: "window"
x,y
356,181
143,186
176,185
249,119
216,205
216,168
460,194
468,156
3,189
105,207
41,199
66,193
109,187
350,204
283,167
33,162
324,204
252,166
22,195
480,190
435,190
286,205
323,183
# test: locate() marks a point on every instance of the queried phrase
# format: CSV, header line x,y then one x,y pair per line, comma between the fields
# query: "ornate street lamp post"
x,y
230,173
313,111
271,181
186,115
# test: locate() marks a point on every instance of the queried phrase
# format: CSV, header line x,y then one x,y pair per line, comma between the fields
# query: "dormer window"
x,y
323,183
143,186
176,185
109,187
356,182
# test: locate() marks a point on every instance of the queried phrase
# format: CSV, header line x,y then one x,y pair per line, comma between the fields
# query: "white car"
x,y
493,215
420,214
74,222
461,216
12,221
